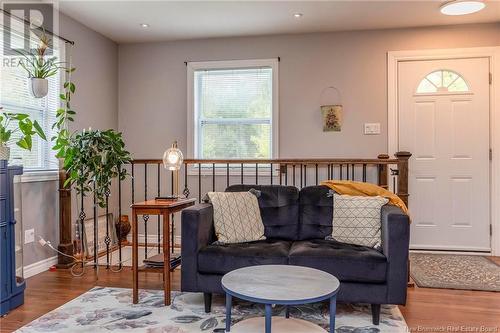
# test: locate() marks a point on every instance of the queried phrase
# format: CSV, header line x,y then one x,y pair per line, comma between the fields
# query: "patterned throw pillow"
x,y
356,219
236,217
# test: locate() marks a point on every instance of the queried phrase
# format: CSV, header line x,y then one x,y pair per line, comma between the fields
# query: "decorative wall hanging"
x,y
332,113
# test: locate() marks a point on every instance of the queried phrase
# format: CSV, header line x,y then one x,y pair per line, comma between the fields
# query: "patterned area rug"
x,y
450,271
111,309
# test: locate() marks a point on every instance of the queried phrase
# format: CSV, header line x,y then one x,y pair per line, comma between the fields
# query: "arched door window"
x,y
442,81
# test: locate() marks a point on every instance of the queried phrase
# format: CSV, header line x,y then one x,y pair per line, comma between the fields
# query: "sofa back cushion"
x,y
279,208
316,212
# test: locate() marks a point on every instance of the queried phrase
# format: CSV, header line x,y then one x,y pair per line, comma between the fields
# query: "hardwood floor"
x,y
427,310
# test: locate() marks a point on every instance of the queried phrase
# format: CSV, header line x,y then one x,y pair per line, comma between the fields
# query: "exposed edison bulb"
x,y
173,158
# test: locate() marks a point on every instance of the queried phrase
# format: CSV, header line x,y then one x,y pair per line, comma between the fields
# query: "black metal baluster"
x,y
158,226
186,189
227,175
364,173
145,217
328,171
347,171
82,225
241,173
256,173
96,231
293,174
305,175
107,239
119,217
301,176
316,170
199,182
352,178
271,174
133,184
341,169
213,177
286,174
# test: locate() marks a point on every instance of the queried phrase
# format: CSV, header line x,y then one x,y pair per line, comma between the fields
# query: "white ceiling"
x,y
174,20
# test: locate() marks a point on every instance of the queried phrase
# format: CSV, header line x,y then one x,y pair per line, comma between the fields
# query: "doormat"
x,y
451,271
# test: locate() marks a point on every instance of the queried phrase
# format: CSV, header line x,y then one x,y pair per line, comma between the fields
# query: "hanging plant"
x,y
92,159
39,66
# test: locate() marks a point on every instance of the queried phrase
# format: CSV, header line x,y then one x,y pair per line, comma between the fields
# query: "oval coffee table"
x,y
282,285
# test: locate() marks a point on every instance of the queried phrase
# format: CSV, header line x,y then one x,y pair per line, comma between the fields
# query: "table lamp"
x,y
172,160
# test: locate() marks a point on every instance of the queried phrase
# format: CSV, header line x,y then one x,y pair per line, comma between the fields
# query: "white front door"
x,y
443,114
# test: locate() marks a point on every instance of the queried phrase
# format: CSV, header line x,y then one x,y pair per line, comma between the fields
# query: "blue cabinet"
x,y
11,284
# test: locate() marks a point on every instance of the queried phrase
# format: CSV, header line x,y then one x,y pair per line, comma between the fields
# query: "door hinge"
x,y
491,154
491,78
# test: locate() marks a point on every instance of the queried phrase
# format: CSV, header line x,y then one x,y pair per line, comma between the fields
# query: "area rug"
x,y
449,271
111,309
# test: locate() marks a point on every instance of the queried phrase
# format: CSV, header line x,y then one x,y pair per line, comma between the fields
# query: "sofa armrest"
x,y
395,246
197,231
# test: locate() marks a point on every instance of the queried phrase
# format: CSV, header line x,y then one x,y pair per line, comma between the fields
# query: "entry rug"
x,y
111,310
451,271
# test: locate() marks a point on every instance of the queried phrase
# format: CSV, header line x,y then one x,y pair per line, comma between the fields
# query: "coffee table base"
x,y
279,324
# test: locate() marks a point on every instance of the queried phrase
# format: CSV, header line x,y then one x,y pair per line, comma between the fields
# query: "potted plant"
x,y
18,128
92,159
39,67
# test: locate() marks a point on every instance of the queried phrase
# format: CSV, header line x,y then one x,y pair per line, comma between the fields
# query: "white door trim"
x,y
493,53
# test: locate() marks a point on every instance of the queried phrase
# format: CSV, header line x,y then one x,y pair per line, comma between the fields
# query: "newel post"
x,y
383,171
403,157
65,229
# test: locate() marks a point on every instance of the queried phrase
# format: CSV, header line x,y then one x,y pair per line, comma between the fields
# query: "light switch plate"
x,y
29,236
372,128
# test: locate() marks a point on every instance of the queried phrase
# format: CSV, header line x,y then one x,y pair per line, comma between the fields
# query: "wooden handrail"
x,y
278,161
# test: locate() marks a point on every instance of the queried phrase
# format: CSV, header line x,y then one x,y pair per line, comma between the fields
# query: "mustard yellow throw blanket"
x,y
349,187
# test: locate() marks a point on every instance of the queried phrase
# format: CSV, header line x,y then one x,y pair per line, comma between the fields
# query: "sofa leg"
x,y
208,302
376,314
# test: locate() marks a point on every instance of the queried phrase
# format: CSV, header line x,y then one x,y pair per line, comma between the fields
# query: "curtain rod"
x,y
29,24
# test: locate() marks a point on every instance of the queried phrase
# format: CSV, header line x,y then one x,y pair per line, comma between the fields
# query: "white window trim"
x,y
192,128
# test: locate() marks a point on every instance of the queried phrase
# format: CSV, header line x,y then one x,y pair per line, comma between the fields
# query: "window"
x,y
15,97
442,81
233,108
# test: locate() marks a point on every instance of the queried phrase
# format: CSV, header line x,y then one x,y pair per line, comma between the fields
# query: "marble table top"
x,y
278,284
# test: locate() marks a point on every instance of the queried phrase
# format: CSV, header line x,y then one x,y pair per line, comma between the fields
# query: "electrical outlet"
x,y
29,236
372,128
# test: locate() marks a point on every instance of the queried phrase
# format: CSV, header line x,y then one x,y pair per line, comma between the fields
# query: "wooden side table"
x,y
155,207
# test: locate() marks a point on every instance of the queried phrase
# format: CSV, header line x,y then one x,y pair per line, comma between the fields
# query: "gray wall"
x,y
152,84
96,101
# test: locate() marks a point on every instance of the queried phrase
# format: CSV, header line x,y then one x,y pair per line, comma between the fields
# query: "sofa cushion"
x,y
279,208
221,259
349,263
316,212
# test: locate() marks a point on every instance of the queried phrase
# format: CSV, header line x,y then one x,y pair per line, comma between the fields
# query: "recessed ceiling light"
x,y
462,7
144,25
298,15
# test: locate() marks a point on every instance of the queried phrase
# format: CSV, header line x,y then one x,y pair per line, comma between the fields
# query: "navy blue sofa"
x,y
296,224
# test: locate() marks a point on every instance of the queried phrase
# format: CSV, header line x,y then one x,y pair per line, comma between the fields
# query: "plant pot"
x,y
39,87
4,153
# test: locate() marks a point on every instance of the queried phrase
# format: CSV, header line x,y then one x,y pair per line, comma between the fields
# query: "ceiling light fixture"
x,y
144,25
298,15
462,7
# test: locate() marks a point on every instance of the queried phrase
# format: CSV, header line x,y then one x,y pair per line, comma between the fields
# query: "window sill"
x,y
40,176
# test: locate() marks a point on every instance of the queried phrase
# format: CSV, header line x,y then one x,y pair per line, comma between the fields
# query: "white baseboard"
x,y
39,267
153,239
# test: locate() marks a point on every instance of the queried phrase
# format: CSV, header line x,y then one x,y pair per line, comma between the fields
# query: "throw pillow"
x,y
356,219
236,217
